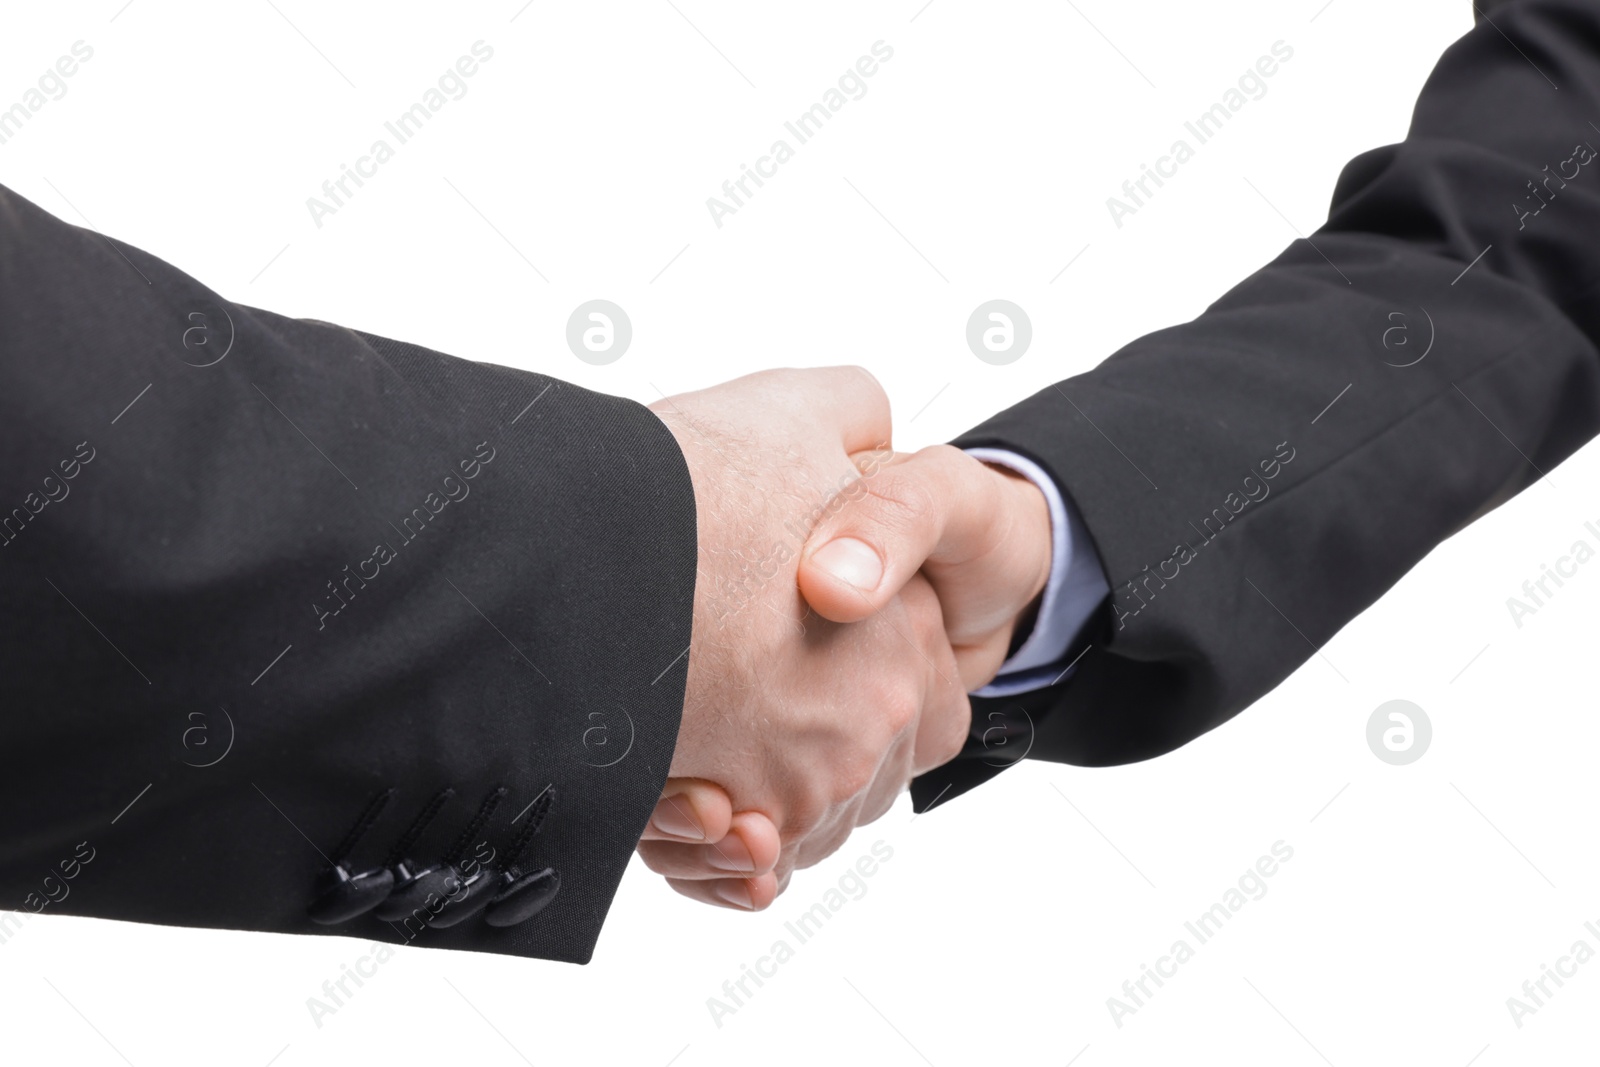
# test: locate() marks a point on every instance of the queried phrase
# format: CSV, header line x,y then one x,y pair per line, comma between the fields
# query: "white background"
x,y
1416,902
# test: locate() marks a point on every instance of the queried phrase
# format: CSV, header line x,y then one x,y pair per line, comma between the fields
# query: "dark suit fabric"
x,y
1405,457
189,587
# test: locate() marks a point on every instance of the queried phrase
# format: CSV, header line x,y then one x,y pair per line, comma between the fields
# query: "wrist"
x,y
1021,557
1029,536
690,729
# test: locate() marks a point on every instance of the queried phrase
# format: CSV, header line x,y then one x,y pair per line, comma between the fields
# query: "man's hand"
x,y
979,534
809,726
707,851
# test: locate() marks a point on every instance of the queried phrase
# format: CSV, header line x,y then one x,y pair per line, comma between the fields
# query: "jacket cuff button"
x,y
521,898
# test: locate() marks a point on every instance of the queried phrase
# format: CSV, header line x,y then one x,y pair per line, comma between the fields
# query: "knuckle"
x,y
953,742
943,456
900,713
823,846
869,385
854,775
901,498
805,812
888,710
878,809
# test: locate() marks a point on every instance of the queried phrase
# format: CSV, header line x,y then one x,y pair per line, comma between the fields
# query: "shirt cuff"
x,y
1076,587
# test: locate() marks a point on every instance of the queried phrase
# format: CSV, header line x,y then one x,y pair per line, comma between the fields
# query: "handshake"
x,y
847,600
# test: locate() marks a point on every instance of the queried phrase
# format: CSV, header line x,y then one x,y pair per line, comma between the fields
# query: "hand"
x,y
815,726
980,535
702,843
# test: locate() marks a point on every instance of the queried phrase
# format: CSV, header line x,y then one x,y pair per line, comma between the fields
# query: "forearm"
x,y
359,565
1166,447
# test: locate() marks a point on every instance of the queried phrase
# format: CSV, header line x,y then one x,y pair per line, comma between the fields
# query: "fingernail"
x,y
735,893
851,561
730,854
670,818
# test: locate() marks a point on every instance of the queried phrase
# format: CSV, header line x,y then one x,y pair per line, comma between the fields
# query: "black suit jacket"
x,y
257,573
272,586
1480,231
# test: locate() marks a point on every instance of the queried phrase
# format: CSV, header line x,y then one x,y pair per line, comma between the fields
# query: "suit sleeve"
x,y
283,599
1254,479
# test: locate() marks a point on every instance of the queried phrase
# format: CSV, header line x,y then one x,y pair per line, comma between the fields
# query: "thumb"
x,y
935,505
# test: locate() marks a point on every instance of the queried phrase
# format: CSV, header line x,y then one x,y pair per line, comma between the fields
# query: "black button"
x,y
471,897
341,896
414,888
521,898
